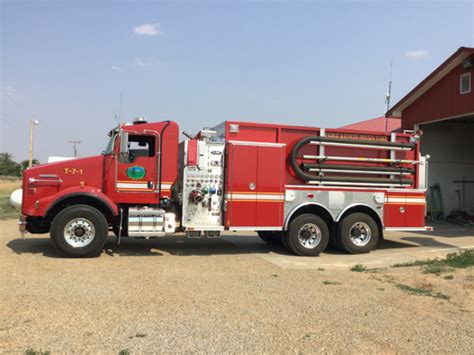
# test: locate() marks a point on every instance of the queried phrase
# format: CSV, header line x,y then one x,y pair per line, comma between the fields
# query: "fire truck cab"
x,y
299,186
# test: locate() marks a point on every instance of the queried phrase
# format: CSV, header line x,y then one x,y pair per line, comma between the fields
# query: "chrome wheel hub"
x,y
360,234
309,236
79,232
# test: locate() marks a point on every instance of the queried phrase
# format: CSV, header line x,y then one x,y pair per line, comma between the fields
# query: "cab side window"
x,y
140,146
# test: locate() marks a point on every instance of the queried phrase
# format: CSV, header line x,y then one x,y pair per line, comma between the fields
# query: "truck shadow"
x,y
34,246
182,246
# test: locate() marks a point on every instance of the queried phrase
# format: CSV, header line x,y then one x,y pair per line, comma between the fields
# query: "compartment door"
x,y
395,210
270,186
241,184
405,210
415,207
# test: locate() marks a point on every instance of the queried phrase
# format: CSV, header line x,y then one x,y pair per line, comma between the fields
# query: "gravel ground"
x,y
179,295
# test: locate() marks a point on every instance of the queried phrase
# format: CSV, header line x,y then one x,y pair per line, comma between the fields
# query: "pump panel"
x,y
203,185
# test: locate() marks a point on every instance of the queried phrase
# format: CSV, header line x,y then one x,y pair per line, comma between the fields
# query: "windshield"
x,y
110,145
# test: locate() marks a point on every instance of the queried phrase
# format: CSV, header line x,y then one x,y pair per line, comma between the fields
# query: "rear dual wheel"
x,y
307,235
357,233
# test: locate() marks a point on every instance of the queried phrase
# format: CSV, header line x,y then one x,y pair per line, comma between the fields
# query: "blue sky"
x,y
320,63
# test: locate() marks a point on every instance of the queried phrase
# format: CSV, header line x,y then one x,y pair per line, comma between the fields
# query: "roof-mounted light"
x,y
139,120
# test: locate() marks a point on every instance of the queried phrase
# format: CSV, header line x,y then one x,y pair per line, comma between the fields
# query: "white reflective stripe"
x,y
404,200
124,185
139,185
255,196
241,196
270,197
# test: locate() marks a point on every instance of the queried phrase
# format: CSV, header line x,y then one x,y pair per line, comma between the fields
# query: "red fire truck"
x,y
300,186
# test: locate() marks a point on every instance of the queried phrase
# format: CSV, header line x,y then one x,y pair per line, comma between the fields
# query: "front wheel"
x,y
358,233
307,235
79,231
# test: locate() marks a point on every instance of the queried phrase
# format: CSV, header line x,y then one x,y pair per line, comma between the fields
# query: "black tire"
x,y
333,242
284,241
270,237
303,226
358,233
88,231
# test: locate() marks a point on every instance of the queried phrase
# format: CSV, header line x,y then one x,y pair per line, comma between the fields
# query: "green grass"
x,y
358,268
6,209
325,282
460,260
421,291
34,352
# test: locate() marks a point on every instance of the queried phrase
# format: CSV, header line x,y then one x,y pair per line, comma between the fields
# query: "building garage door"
x,y
450,145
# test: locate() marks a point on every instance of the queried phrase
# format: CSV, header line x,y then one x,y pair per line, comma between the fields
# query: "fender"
x,y
287,221
45,205
353,205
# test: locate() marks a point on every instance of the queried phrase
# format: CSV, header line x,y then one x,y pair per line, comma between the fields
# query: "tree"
x,y
24,163
8,167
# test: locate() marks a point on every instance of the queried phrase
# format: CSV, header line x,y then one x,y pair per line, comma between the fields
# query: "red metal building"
x,y
442,106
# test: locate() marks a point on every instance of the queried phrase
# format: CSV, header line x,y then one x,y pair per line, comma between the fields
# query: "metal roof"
x,y
376,125
449,64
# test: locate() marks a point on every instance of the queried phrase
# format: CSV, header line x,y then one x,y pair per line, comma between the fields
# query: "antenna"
x,y
120,107
116,117
74,147
119,116
389,93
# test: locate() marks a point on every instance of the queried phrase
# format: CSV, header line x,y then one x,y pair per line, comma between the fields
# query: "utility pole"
x,y
74,146
33,123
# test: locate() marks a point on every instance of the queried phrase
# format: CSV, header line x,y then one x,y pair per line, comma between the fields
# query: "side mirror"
x,y
123,155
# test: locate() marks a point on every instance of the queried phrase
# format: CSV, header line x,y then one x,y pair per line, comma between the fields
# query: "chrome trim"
x,y
409,229
263,144
22,225
33,181
255,228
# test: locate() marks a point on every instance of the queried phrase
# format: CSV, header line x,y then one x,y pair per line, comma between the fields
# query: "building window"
x,y
465,83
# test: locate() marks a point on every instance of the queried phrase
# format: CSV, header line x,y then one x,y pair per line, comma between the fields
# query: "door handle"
x,y
252,186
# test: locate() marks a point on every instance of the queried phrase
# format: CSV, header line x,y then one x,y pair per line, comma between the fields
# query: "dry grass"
x,y
6,188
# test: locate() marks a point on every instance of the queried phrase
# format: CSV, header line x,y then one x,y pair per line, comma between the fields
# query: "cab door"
x,y
135,177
